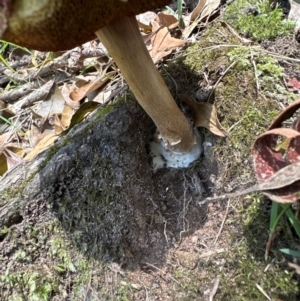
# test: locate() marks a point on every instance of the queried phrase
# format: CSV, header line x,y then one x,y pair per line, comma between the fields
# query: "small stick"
x,y
162,272
223,222
214,289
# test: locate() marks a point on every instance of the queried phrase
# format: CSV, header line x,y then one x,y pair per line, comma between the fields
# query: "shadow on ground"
x,y
108,200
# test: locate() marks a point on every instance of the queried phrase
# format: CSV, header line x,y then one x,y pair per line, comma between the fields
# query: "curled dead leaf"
x,y
204,115
204,9
99,83
162,42
42,145
276,150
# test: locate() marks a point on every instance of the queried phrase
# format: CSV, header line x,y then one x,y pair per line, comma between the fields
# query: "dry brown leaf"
x,y
42,145
144,21
162,42
201,11
52,104
204,115
166,20
12,158
204,9
62,123
65,91
35,135
99,83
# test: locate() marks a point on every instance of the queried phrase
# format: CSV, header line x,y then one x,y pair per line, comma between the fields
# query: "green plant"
x,y
266,67
36,286
58,250
277,211
265,23
177,15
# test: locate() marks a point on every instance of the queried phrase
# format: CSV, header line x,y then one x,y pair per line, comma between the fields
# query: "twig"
x,y
165,232
223,222
214,289
162,272
262,291
147,296
255,72
234,33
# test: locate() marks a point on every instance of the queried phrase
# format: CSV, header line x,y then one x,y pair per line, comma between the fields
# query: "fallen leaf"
x,y
99,83
62,123
165,20
144,28
12,158
144,21
41,146
204,9
80,114
162,42
274,152
294,13
293,84
204,115
285,114
66,91
52,104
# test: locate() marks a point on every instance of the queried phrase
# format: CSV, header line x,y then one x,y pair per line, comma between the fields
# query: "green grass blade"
x,y
275,217
10,123
179,11
293,220
274,214
290,252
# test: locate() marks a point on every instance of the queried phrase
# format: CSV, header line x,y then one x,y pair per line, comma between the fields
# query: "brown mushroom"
x,y
52,25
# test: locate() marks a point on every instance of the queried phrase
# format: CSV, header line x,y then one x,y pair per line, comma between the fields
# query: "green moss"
x,y
257,20
247,258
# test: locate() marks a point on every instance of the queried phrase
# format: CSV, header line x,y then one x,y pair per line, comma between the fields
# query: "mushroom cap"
x,y
53,25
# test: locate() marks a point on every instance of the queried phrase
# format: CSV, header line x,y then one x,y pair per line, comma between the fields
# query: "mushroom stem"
x,y
124,42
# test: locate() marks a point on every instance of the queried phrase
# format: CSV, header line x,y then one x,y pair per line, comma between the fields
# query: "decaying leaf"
x,y
275,151
99,83
62,123
84,109
12,158
144,21
165,20
293,84
10,152
162,42
52,104
66,91
204,9
204,115
42,145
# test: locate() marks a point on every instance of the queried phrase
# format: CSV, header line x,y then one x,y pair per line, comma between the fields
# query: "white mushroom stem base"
x,y
162,157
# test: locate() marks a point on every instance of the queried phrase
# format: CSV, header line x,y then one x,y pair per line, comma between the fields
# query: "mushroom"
x,y
62,24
